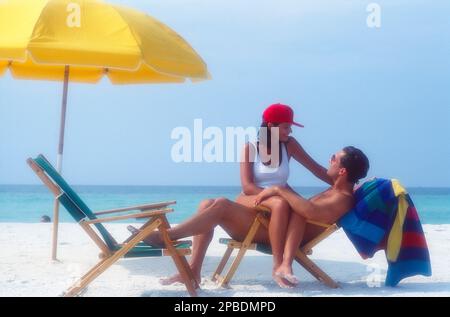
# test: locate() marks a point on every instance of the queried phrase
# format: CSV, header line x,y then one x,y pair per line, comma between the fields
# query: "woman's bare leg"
x,y
294,237
299,232
278,225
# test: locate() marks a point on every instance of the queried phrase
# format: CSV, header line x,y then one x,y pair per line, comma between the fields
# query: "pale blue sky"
x,y
384,90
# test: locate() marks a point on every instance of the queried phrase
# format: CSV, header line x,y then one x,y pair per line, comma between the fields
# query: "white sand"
x,y
26,268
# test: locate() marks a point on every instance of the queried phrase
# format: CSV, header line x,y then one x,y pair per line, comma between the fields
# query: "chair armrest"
x,y
139,207
147,214
262,208
320,224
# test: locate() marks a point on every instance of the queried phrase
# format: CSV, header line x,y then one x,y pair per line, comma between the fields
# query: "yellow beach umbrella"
x,y
84,40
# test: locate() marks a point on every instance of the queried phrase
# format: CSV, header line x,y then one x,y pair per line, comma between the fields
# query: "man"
x,y
346,168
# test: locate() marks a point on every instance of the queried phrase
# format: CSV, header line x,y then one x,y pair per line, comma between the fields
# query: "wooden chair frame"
x,y
247,244
156,214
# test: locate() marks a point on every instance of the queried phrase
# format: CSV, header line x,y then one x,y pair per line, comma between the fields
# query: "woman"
x,y
257,175
261,168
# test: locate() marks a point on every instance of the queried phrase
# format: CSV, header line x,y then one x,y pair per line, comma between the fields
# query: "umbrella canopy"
x,y
84,40
38,38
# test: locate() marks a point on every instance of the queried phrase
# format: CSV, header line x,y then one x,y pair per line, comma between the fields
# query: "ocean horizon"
x,y
28,203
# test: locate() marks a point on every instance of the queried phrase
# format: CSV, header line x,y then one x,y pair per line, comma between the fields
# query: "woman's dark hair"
x,y
355,162
268,141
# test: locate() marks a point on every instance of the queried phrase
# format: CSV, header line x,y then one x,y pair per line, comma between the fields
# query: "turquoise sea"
x,y
27,203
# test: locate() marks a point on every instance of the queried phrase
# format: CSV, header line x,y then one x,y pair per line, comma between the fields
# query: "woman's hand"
x,y
266,193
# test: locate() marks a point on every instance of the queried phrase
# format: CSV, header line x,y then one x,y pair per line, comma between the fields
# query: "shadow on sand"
x,y
253,278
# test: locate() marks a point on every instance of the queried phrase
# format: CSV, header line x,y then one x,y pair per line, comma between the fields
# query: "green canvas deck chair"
x,y
301,256
111,251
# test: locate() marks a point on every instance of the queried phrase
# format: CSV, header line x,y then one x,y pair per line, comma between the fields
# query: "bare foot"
x,y
282,282
286,273
176,279
152,239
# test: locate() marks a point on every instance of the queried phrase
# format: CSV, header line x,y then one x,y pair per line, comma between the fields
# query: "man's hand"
x,y
266,193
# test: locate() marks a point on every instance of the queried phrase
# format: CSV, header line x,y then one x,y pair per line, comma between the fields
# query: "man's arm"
x,y
299,204
326,210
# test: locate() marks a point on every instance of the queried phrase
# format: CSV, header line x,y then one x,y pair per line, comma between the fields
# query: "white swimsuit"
x,y
265,176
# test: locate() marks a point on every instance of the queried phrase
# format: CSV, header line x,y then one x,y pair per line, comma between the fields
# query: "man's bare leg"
x,y
234,218
201,223
199,246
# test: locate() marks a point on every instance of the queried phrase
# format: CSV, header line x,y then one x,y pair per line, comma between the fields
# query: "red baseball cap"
x,y
279,113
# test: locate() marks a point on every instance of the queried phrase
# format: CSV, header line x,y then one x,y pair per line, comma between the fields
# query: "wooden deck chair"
x,y
111,251
301,256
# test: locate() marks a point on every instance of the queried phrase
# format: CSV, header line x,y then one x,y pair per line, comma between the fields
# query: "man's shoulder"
x,y
334,205
337,198
344,196
343,202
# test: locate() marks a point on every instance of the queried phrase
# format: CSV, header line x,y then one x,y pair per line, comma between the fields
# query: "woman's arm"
x,y
300,155
248,186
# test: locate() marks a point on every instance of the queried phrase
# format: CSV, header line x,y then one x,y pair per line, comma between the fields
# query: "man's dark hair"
x,y
355,162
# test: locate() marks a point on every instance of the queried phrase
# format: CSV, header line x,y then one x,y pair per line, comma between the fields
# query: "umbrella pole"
x,y
59,161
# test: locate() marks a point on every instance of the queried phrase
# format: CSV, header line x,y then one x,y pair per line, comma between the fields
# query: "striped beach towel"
x,y
384,218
